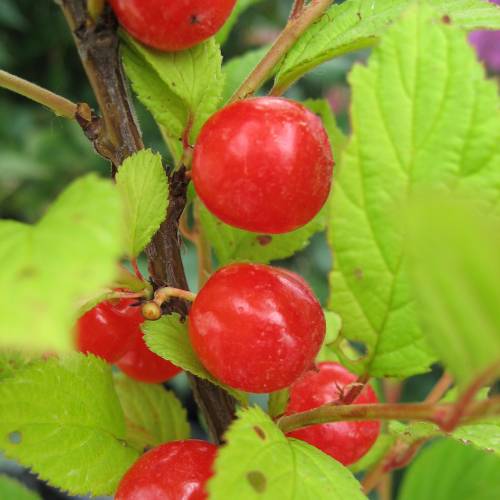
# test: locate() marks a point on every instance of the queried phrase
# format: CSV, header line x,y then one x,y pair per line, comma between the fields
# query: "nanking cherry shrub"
x,y
263,164
346,442
177,471
255,327
172,25
112,331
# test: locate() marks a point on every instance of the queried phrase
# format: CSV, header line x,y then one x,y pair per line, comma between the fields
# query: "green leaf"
x,y
456,271
48,268
483,434
62,419
423,116
143,184
357,24
168,338
11,362
374,455
333,327
278,401
153,415
338,139
232,244
167,108
14,490
240,7
258,461
446,470
181,89
238,68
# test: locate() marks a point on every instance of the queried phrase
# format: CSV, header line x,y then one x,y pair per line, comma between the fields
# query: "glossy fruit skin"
x,y
141,364
263,164
255,327
107,330
172,25
173,471
346,442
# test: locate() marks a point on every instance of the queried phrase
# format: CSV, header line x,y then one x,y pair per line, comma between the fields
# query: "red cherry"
x,y
140,363
172,24
263,164
255,327
346,442
106,330
173,471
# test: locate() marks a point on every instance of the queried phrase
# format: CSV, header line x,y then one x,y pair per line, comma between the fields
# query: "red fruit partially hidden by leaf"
x,y
346,442
263,164
107,330
140,363
255,327
172,25
173,471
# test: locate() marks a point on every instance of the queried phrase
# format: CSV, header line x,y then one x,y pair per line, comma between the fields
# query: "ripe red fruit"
x,y
263,164
346,442
172,24
107,330
255,327
140,363
175,471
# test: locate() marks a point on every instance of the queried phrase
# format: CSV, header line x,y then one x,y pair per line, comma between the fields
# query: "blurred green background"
x,y
40,154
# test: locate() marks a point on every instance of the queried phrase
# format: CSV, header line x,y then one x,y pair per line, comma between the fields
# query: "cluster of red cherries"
x,y
263,165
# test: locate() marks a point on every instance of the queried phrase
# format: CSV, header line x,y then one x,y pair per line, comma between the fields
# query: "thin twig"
x,y
392,390
402,453
449,423
297,7
400,411
293,30
440,389
56,103
355,390
385,488
117,135
136,269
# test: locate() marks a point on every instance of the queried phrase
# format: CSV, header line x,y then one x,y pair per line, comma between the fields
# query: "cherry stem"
x,y
163,295
58,104
136,269
294,29
356,388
